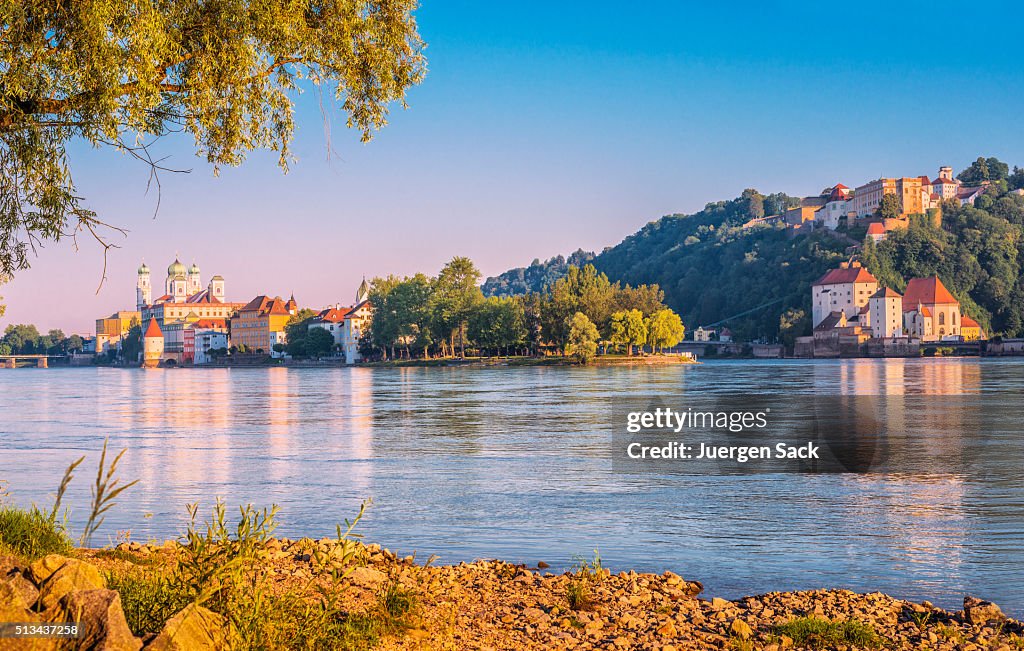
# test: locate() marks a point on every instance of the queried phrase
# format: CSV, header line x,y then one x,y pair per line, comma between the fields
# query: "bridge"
x,y
42,361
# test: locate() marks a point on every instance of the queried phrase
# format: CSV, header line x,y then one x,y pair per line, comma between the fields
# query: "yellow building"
x,y
117,324
970,330
260,323
913,192
110,330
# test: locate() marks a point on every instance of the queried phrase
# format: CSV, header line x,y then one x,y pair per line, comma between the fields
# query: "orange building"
x,y
260,323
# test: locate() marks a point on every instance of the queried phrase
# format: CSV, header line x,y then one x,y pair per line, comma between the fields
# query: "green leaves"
x,y
227,72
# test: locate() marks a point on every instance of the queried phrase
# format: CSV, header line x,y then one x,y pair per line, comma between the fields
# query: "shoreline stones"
x,y
490,604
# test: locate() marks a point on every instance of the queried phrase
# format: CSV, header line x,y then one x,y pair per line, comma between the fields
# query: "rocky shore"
x,y
496,605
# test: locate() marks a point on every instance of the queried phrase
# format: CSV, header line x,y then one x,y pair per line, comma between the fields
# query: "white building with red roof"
x,y
845,290
930,311
347,324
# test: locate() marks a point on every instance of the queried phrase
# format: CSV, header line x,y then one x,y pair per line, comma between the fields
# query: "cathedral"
x,y
181,286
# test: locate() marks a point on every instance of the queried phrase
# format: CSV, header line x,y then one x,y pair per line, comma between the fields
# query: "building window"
x,y
942,318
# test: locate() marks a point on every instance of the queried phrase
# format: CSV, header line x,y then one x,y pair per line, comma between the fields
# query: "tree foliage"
x,y
538,277
318,342
665,329
628,328
116,73
889,207
984,169
581,343
25,339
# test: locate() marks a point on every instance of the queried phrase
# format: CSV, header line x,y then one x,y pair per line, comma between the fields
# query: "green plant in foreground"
x,y
223,566
921,619
103,493
586,573
819,633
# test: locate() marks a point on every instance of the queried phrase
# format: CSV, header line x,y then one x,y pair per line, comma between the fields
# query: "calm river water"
x,y
516,463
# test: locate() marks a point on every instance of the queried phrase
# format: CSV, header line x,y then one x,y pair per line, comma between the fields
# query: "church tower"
x,y
363,293
216,288
176,285
143,288
195,285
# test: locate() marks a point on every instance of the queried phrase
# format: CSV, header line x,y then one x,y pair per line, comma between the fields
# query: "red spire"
x,y
153,330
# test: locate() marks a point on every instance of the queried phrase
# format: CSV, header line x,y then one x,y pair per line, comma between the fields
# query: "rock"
x,y
193,629
28,590
72,575
741,629
100,615
542,565
718,603
977,611
45,566
367,577
668,629
10,564
693,588
11,602
533,614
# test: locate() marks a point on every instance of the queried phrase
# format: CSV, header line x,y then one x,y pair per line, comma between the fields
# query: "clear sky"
x,y
544,127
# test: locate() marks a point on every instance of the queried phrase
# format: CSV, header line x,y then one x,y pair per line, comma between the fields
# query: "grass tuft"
x,y
586,574
819,633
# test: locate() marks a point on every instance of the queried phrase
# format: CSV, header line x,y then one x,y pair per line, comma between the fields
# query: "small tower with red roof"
x,y
152,345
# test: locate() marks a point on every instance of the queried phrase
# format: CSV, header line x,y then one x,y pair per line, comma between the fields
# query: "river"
x,y
518,464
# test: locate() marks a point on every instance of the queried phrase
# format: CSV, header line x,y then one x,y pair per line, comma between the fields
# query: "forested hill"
x,y
711,268
523,280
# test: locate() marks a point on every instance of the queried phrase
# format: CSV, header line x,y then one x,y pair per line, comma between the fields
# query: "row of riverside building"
x,y
849,307
191,323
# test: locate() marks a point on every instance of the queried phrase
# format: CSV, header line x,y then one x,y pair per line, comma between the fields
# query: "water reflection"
x,y
516,463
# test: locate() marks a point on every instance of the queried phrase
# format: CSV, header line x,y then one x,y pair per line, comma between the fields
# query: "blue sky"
x,y
544,127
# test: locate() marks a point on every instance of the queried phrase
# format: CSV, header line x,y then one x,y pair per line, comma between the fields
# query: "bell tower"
x,y
143,288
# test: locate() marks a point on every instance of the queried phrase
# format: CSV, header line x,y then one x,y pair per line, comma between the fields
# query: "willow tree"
x,y
117,73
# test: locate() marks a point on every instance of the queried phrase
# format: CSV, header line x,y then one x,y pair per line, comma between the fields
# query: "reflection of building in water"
x,y
360,428
922,516
279,422
188,420
899,376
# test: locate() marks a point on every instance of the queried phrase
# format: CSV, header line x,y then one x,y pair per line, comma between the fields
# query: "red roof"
x,y
926,291
209,323
845,276
968,322
876,228
886,292
153,330
943,182
840,186
924,180
332,315
266,305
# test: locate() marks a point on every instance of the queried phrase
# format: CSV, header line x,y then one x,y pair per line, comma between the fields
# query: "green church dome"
x,y
143,269
176,268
